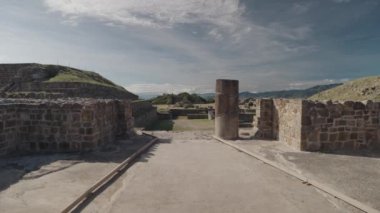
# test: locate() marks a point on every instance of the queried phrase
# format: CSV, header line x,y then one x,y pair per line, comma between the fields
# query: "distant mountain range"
x,y
147,95
300,93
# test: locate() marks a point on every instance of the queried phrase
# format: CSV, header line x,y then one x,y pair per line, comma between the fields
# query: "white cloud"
x,y
154,13
306,84
216,34
227,45
300,8
341,1
164,88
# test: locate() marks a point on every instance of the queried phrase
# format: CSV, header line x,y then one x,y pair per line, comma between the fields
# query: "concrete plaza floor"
x,y
190,172
353,174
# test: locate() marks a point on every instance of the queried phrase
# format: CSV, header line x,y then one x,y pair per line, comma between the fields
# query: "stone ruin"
x,y
30,81
32,125
319,126
40,116
302,124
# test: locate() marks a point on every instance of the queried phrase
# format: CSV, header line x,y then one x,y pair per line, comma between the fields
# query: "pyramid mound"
x,y
367,88
25,79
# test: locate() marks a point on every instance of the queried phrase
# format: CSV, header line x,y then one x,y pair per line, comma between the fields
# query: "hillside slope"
x,y
302,93
67,81
367,88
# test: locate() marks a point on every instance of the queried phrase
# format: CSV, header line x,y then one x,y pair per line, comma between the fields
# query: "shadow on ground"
x,y
16,168
143,159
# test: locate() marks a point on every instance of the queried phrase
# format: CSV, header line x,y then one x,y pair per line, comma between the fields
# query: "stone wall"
x,y
61,125
197,116
144,113
6,74
341,126
287,119
263,119
184,112
320,126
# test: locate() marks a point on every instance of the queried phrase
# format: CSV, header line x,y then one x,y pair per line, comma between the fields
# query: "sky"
x,y
162,46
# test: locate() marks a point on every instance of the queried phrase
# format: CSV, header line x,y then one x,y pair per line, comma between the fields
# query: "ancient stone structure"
x,y
320,126
30,125
227,109
264,118
76,89
144,113
23,80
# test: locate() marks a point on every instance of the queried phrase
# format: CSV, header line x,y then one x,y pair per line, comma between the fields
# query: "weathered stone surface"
x,y
349,125
317,126
144,113
227,109
264,119
62,124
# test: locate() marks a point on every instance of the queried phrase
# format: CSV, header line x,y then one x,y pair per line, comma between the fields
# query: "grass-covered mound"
x,y
68,74
367,88
32,80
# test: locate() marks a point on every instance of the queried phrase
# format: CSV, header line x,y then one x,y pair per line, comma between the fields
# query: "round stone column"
x,y
227,109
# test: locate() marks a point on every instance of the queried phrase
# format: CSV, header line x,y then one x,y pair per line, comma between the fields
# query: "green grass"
x,y
367,88
73,75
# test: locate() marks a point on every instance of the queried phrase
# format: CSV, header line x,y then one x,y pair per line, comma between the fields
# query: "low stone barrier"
x,y
61,125
341,126
184,112
320,126
197,116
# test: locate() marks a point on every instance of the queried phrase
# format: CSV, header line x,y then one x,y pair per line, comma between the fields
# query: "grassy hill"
x,y
367,88
40,78
68,74
184,98
302,93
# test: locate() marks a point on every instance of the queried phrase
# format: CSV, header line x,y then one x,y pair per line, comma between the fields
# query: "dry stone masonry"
x,y
30,125
320,126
